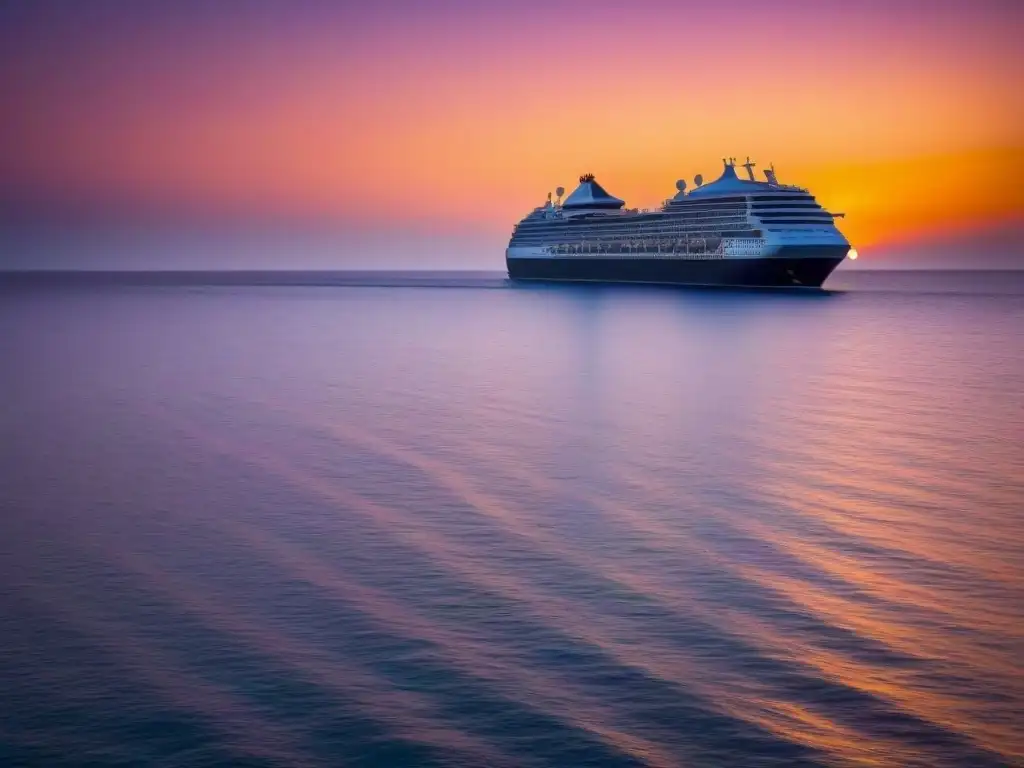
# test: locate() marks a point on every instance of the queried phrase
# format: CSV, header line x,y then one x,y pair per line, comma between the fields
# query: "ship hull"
x,y
788,268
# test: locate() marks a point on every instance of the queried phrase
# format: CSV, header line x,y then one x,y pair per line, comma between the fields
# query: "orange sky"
x,y
905,115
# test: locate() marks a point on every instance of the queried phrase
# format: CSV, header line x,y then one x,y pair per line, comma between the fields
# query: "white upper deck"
x,y
591,201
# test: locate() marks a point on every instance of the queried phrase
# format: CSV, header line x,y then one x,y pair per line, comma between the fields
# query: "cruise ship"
x,y
729,232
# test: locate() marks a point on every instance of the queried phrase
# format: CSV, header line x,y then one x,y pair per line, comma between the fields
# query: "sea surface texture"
x,y
454,522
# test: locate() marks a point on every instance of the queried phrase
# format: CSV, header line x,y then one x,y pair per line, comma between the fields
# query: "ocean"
x,y
289,519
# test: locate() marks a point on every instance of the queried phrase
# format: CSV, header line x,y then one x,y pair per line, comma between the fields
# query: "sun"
x,y
852,255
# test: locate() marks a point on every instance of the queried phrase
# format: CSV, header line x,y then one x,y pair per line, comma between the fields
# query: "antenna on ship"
x,y
698,179
750,168
681,185
770,175
559,191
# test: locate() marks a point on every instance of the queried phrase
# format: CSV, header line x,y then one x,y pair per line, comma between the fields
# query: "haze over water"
x,y
545,526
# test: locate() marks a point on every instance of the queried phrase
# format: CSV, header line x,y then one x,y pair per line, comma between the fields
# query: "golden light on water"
x,y
852,255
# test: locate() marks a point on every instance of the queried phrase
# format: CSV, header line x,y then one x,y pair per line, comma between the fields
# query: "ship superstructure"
x,y
731,231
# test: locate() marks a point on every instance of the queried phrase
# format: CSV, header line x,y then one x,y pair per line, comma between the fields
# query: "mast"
x,y
750,168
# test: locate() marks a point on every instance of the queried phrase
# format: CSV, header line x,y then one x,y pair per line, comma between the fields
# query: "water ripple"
x,y
283,526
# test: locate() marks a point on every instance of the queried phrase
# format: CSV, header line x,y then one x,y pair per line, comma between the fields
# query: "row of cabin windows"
x,y
637,221
651,243
773,224
776,198
743,233
795,215
668,232
764,216
709,221
676,205
719,224
630,231
784,206
707,200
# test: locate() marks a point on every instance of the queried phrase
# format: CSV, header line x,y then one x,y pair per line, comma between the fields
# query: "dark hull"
x,y
779,271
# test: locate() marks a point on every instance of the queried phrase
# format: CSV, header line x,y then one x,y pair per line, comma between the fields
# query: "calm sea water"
x,y
479,525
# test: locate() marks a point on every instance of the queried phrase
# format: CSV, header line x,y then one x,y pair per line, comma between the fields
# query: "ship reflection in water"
x,y
528,527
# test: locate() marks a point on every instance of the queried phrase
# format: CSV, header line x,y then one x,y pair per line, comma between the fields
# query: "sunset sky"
x,y
454,118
